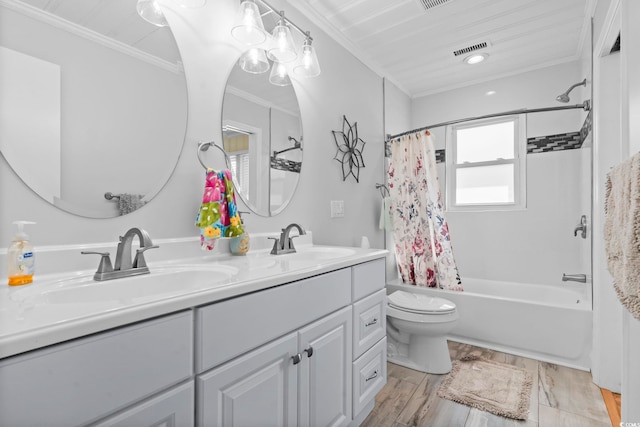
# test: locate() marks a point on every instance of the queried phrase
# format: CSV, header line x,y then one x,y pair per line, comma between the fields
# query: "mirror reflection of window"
x,y
236,145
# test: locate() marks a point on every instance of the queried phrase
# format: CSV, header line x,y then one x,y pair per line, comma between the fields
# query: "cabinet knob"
x,y
296,358
309,351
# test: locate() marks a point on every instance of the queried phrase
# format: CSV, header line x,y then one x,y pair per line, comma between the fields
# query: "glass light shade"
x,y
283,49
150,11
248,27
254,61
279,75
308,66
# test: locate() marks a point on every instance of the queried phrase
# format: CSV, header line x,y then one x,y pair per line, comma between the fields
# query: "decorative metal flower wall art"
x,y
348,154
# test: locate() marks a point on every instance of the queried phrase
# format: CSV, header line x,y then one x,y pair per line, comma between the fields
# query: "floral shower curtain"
x,y
421,233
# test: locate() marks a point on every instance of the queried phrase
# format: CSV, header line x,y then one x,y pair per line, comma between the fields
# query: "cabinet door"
x,y
325,374
257,389
173,408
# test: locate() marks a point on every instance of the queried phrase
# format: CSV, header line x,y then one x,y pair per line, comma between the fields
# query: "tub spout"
x,y
582,278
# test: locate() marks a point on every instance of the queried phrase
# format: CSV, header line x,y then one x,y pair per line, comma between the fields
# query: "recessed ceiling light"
x,y
490,92
476,58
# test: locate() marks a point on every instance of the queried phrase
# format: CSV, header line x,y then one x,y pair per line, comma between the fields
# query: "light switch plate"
x,y
337,208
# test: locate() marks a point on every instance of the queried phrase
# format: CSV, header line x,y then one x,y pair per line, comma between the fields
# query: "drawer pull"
x,y
372,322
309,351
296,358
374,375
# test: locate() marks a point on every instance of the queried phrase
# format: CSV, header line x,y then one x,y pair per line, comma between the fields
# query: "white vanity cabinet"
x,y
309,353
82,381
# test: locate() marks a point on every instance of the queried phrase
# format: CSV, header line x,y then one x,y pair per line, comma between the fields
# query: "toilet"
x,y
417,326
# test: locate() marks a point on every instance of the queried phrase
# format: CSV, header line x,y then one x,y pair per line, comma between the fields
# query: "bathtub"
x,y
548,323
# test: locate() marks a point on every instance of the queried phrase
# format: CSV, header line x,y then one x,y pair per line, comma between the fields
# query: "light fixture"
x,y
476,58
308,66
490,92
248,28
254,61
151,12
279,75
278,44
283,49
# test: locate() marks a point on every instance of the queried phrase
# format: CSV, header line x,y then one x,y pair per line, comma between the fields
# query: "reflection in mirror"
x,y
262,134
93,101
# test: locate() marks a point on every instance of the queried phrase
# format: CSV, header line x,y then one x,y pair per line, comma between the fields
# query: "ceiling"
x,y
413,46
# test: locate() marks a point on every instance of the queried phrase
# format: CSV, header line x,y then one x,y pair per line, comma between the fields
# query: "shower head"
x,y
564,97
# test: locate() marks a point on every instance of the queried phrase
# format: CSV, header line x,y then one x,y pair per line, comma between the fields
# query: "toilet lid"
x,y
417,303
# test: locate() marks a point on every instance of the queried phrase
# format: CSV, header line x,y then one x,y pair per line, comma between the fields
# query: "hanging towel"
x,y
386,222
622,232
218,215
128,203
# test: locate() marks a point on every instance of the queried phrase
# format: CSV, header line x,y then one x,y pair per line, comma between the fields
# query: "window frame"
x,y
519,164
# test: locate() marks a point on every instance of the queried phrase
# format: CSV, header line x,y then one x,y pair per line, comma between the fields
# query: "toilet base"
x,y
424,354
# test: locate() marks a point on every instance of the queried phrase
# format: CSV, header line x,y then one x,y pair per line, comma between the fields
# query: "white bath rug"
x,y
489,386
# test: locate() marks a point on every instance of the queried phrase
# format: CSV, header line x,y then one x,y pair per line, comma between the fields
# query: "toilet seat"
x,y
420,304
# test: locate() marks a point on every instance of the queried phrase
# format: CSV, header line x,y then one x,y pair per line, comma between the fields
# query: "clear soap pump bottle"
x,y
20,259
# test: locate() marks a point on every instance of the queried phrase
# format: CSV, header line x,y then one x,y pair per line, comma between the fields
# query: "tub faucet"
x,y
284,245
581,227
124,265
582,278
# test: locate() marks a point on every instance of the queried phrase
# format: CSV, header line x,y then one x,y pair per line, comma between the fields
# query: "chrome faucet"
x,y
582,278
124,265
284,245
581,227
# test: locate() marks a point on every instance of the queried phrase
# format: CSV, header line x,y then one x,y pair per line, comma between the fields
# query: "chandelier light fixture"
x,y
277,45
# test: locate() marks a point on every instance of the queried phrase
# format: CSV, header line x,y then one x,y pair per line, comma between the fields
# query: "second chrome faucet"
x,y
284,244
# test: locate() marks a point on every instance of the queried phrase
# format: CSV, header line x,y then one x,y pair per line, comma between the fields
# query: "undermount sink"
x,y
160,283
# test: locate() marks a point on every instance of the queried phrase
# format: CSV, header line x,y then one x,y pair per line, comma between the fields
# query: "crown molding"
x,y
80,31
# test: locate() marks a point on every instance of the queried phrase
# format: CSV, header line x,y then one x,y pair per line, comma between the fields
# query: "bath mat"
x,y
489,386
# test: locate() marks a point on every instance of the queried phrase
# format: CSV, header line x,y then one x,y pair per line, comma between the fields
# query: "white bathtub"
x,y
548,323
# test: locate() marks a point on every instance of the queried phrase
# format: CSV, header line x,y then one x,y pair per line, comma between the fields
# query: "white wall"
x,y
208,52
630,64
535,245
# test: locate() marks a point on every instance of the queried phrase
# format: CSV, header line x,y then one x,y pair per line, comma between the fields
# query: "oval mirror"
x,y
93,109
262,134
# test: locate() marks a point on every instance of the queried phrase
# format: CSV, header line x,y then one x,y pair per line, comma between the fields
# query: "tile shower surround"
x,y
543,144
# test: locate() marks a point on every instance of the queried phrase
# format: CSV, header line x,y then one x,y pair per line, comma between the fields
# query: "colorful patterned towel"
x,y
218,216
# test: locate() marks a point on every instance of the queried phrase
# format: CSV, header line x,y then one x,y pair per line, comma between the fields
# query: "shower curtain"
x,y
421,233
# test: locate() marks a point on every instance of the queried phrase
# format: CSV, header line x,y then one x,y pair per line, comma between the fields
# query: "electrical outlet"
x,y
337,208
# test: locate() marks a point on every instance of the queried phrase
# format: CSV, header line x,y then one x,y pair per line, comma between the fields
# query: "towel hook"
x,y
204,146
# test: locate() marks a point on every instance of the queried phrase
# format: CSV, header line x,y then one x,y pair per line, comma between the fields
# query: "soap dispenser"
x,y
20,259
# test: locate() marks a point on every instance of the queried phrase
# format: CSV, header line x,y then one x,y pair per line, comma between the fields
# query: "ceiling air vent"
x,y
430,4
471,48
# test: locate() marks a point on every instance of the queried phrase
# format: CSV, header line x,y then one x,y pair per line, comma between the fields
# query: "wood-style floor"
x,y
561,397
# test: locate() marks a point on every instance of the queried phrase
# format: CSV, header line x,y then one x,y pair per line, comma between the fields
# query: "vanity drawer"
x,y
369,322
229,328
77,382
369,375
368,278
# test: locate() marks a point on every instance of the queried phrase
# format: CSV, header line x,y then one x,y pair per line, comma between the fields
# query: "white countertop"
x,y
30,320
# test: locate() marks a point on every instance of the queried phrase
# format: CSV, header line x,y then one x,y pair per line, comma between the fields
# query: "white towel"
x,y
385,215
622,232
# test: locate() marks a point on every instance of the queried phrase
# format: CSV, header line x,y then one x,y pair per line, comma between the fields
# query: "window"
x,y
486,164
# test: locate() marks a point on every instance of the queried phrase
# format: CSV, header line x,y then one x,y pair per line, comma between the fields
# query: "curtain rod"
x,y
586,106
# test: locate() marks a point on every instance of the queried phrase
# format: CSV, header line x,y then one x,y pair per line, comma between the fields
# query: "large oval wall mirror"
x,y
262,134
93,110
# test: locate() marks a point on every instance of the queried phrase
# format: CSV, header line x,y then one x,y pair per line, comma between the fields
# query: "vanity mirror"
x,y
262,134
94,101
